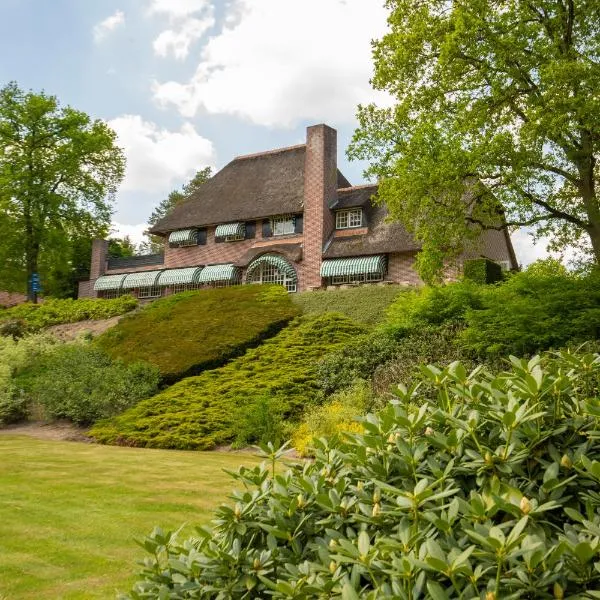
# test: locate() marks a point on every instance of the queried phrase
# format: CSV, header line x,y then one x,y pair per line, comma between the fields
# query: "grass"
x,y
70,513
365,304
217,406
187,333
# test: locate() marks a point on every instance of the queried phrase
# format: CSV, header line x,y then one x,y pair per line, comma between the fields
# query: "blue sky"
x,y
191,83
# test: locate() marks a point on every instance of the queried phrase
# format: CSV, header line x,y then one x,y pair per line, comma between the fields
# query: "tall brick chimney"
x,y
320,185
99,256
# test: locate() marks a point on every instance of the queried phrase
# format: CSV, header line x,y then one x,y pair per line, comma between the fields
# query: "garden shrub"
x,y
187,333
203,411
55,312
490,490
482,270
79,382
365,304
337,414
535,310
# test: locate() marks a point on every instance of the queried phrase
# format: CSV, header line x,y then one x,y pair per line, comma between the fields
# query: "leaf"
x,y
364,543
349,593
436,591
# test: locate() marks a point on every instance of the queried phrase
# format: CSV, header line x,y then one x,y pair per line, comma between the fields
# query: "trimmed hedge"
x,y
187,333
56,312
201,412
482,270
365,304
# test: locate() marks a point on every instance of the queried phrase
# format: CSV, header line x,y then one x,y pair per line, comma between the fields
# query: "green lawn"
x,y
70,512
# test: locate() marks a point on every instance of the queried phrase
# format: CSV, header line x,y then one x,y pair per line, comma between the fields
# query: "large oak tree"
x,y
59,170
505,92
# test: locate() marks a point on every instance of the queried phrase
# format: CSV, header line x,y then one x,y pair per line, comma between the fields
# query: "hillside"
x,y
189,332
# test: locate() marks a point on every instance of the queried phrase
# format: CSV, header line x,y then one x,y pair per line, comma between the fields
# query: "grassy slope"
x,y
70,512
365,304
201,412
189,332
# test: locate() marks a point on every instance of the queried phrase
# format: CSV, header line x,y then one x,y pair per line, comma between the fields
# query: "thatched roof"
x,y
292,252
249,187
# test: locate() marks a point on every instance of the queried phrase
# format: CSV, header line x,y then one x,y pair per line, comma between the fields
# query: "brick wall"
x,y
401,269
320,185
495,245
86,290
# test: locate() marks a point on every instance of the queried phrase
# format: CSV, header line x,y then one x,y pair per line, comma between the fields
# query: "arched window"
x,y
271,268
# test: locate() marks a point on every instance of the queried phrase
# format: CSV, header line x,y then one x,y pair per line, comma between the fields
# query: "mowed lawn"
x,y
70,512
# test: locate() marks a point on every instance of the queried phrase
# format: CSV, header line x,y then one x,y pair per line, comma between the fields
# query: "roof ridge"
x,y
267,152
357,187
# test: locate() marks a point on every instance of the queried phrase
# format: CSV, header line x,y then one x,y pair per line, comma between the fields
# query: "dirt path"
x,y
60,431
70,331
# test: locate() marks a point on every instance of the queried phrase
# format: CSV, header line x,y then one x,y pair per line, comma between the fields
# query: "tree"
x,y
155,243
59,170
121,248
502,92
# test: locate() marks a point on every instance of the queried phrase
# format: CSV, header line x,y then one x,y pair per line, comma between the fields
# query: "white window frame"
x,y
360,278
235,238
350,218
505,265
184,287
153,291
266,273
283,225
111,294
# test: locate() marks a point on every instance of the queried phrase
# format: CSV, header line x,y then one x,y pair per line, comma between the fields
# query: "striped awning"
x,y
213,273
230,229
358,265
108,282
276,261
179,276
141,279
183,236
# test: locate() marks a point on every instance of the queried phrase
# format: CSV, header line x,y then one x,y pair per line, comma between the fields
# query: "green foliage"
x,y
186,333
482,270
534,310
260,421
493,92
204,411
55,312
364,304
82,383
58,172
120,248
490,490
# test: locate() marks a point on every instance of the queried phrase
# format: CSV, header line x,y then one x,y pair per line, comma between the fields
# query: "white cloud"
x,y
179,40
158,158
102,29
177,8
277,62
135,232
529,250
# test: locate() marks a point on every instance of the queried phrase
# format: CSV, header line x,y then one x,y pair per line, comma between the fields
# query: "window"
x,y
359,278
234,238
347,219
268,273
184,287
149,292
110,294
504,265
283,225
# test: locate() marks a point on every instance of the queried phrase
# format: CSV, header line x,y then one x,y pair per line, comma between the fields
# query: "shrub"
x,y
534,310
336,415
81,383
482,270
488,491
365,304
201,412
187,333
56,312
260,421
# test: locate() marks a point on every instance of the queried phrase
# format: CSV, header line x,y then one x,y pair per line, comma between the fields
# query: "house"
x,y
285,216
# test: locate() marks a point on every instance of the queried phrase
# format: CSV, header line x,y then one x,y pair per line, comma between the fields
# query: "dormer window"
x,y
349,218
283,225
231,232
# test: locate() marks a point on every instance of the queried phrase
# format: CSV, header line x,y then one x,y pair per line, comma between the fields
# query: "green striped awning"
x,y
230,229
358,265
183,236
141,279
108,282
272,259
179,276
212,273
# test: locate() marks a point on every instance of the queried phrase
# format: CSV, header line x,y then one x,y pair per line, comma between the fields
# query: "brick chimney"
x,y
320,192
99,256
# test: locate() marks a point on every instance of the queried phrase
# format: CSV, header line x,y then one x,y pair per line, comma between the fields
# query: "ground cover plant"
x,y
364,304
217,406
70,512
55,311
186,333
489,490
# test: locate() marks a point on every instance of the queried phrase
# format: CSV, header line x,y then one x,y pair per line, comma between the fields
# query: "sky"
x,y
193,83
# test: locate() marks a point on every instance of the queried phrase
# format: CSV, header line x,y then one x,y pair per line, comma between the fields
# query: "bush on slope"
x,y
207,410
186,333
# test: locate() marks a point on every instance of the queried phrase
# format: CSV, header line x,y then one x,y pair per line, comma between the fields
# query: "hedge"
x,y
201,412
482,270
